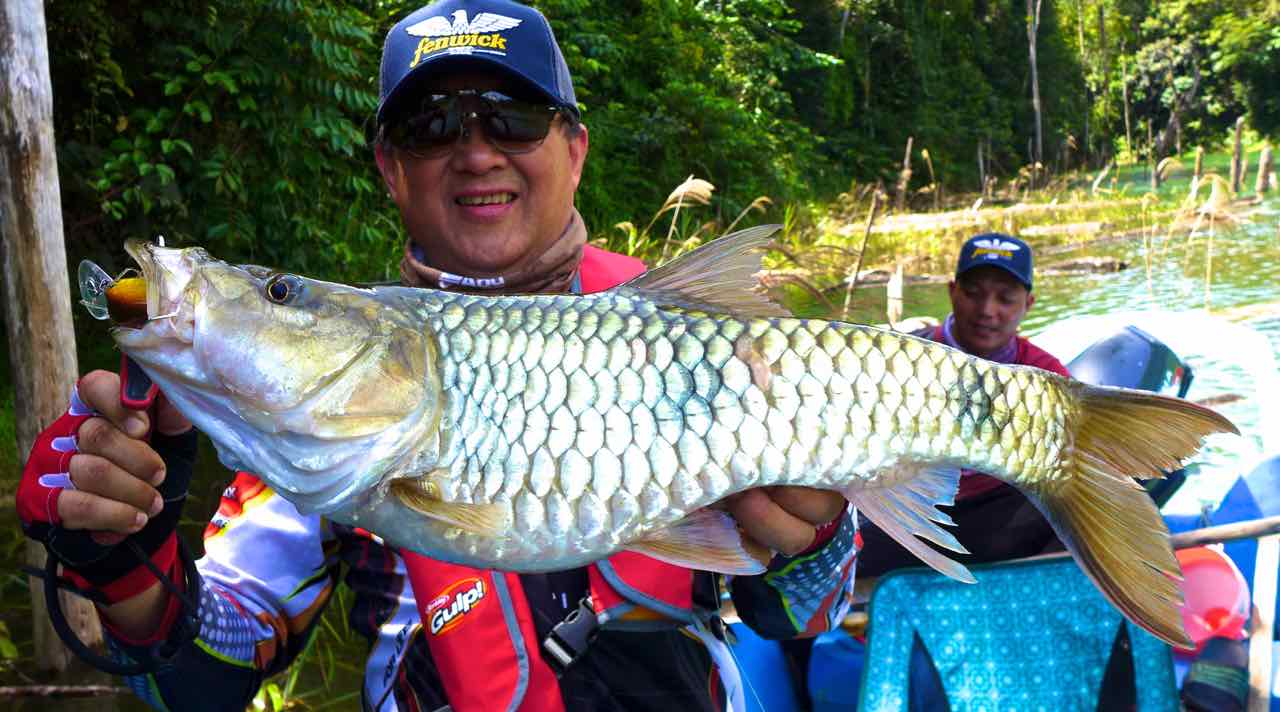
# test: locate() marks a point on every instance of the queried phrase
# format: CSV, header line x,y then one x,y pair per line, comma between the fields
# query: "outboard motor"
x,y
1132,358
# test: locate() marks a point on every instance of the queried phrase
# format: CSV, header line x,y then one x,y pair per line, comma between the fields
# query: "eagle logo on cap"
x,y
439,26
997,244
994,249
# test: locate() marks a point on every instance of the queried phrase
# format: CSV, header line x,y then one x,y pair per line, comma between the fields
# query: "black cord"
x,y
186,628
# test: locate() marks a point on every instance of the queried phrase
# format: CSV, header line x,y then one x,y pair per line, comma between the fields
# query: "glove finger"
x,y
98,475
84,510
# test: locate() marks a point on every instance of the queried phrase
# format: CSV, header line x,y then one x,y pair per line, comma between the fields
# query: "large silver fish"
x,y
537,433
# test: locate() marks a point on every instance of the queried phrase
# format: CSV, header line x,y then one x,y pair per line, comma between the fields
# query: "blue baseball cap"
x,y
994,249
454,34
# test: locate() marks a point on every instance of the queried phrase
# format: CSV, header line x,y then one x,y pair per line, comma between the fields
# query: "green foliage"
x,y
241,128
674,88
1219,57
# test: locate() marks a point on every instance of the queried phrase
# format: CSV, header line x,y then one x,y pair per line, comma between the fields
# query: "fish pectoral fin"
x,y
718,276
491,520
905,508
708,540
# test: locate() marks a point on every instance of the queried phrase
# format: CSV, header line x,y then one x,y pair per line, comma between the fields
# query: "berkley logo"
x,y
480,34
447,610
995,248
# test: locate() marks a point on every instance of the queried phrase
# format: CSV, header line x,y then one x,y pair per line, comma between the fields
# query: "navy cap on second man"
x,y
509,36
995,249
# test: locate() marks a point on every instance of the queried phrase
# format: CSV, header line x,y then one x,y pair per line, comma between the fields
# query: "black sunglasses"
x,y
513,126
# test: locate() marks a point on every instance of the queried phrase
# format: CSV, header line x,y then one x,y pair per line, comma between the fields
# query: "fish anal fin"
x,y
902,500
707,540
421,496
718,276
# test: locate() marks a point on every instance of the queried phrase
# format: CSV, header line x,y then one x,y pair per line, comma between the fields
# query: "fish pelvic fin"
x,y
708,540
1106,519
718,276
902,500
492,520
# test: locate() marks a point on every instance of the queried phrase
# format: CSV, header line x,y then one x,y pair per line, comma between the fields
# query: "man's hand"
x,y
92,470
114,470
784,518
100,469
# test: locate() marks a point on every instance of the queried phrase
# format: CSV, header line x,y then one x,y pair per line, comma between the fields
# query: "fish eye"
x,y
283,288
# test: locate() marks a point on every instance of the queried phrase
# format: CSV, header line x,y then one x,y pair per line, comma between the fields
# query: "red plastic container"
x,y
1216,595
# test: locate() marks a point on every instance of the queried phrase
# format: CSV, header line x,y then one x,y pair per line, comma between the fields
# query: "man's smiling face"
x,y
476,210
989,304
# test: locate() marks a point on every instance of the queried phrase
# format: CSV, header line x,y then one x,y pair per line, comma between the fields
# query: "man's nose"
x,y
474,152
988,306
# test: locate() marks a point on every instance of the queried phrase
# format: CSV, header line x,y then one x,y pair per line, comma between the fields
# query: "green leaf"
x,y
8,650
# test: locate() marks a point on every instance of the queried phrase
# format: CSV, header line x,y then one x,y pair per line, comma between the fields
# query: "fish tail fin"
x,y
1106,519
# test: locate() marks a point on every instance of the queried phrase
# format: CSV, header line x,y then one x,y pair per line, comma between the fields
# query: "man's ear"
x,y
578,146
1031,299
391,169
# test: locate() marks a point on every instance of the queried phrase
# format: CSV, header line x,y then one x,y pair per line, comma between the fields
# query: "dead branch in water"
x,y
866,233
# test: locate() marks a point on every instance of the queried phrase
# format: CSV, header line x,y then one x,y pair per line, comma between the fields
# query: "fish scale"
x,y
535,433
778,428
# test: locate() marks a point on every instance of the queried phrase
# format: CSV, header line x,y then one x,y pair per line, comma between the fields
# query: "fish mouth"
x,y
166,271
169,316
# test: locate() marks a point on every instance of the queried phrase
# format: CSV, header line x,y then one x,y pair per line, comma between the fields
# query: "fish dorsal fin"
x,y
718,276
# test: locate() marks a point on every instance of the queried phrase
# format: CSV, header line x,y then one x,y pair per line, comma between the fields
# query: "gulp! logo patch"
x,y
448,609
482,33
994,249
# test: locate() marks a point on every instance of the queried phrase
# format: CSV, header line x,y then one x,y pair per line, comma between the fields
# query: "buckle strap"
x,y
569,639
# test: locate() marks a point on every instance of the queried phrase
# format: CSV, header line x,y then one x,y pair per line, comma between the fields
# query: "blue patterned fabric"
x,y
1030,635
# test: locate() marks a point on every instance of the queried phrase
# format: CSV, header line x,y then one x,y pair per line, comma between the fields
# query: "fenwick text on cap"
x,y
511,37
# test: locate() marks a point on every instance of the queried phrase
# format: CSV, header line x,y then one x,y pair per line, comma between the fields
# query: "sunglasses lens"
x,y
430,132
516,126
512,125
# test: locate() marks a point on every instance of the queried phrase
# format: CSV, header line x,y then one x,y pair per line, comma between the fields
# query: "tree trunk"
x,y
904,178
1171,135
1033,26
1128,126
982,169
844,22
1263,181
1236,155
1104,61
1088,85
1151,159
1199,171
37,291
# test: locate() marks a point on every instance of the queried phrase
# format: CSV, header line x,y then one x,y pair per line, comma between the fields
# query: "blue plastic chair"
x,y
1030,635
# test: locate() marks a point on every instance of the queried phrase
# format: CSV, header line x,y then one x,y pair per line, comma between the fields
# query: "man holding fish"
x,y
481,148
